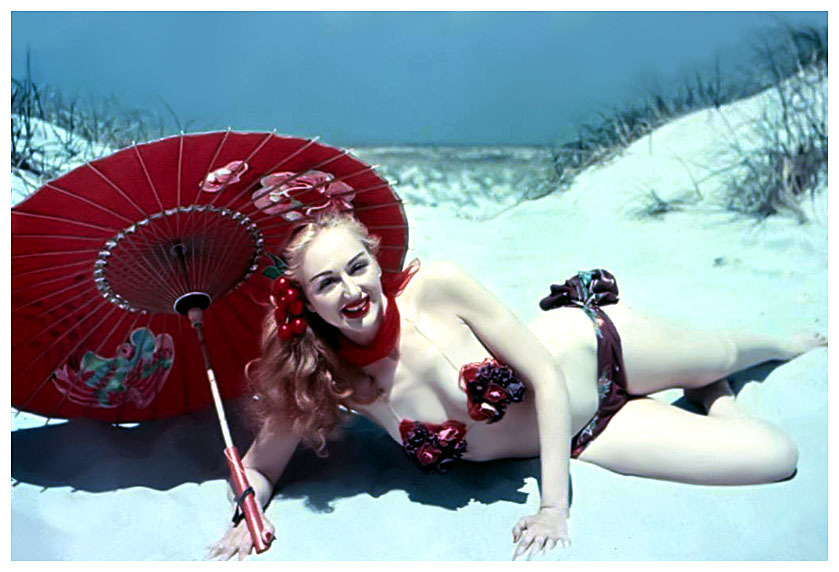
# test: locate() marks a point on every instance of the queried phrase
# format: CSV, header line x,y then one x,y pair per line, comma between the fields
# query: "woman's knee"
x,y
776,455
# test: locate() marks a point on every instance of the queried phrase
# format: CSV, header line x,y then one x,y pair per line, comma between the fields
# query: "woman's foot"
x,y
717,399
801,343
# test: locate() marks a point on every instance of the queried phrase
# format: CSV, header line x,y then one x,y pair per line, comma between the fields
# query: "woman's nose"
x,y
351,288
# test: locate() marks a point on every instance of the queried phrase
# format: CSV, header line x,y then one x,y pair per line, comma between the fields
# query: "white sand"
x,y
90,491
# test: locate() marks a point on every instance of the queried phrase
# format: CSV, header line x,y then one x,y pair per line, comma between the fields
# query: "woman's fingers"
x,y
213,551
269,526
235,542
523,545
517,529
520,527
219,552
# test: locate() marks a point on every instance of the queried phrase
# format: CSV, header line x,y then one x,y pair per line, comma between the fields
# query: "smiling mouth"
x,y
357,310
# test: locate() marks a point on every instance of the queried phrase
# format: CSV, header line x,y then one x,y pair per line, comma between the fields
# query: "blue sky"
x,y
383,78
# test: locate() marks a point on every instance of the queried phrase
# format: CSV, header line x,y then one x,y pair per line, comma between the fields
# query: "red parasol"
x,y
114,261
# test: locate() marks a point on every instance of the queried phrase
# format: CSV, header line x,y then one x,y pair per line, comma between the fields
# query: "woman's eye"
x,y
358,267
324,283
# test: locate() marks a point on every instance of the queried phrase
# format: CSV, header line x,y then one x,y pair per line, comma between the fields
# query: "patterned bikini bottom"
x,y
588,291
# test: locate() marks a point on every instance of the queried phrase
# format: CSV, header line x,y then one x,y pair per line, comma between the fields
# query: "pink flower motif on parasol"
x,y
224,176
295,197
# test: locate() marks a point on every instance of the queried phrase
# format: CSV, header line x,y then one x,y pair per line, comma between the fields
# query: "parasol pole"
x,y
260,535
193,305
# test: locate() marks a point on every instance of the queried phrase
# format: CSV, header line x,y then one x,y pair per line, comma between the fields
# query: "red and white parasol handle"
x,y
260,535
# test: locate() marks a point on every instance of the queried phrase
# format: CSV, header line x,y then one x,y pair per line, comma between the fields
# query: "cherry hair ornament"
x,y
288,309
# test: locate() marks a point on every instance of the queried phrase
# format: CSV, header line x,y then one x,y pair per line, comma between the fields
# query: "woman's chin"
x,y
362,326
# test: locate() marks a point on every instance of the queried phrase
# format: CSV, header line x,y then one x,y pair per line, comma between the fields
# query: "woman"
x,y
435,360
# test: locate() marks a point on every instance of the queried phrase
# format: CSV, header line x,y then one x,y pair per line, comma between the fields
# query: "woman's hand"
x,y
236,541
541,532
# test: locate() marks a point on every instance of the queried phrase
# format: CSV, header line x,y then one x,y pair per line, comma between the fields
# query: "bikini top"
x,y
490,387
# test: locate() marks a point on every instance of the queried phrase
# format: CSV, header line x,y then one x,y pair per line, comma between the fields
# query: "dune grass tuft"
x,y
51,133
789,163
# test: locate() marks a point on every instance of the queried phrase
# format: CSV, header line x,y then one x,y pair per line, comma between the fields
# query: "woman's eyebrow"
x,y
325,272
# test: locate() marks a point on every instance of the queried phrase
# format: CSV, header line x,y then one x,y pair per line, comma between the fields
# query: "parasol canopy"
x,y
102,256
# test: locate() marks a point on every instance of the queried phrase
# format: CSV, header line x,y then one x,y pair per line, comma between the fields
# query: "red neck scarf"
x,y
388,333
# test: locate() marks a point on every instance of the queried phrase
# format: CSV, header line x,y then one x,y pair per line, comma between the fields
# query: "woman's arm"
x,y
267,458
264,463
515,345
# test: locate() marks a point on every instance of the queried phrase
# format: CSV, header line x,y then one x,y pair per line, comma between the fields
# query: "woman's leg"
x,y
717,399
661,355
647,438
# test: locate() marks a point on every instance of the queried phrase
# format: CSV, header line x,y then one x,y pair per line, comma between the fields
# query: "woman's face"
x,y
342,283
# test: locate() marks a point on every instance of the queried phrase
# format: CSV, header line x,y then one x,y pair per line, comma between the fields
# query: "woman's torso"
x,y
420,382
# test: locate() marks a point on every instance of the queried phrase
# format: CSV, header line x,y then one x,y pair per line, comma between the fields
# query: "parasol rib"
x,y
97,351
65,219
122,193
119,190
51,268
58,321
45,282
64,359
155,266
152,273
221,261
61,236
66,302
286,159
247,158
50,295
178,185
88,202
54,253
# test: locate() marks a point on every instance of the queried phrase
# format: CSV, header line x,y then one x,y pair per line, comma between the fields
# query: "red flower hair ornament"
x,y
288,308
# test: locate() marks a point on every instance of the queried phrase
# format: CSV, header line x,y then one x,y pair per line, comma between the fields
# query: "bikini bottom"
x,y
588,291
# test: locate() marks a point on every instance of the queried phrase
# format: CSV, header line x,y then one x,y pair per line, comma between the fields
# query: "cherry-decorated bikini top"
x,y
489,385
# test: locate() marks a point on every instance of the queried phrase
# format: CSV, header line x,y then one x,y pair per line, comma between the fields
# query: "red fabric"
x,y
388,333
59,314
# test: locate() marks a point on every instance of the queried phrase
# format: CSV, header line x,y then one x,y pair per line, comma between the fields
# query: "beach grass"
x,y
789,160
51,132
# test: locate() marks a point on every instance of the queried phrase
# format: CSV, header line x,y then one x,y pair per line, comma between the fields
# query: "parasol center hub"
x,y
191,300
178,250
181,257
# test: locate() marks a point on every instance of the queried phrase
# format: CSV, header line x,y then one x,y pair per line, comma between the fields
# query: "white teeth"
x,y
356,306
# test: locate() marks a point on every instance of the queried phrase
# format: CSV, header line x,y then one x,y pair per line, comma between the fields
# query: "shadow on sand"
x,y
97,457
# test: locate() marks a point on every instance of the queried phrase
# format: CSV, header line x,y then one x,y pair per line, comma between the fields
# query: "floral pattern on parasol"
x,y
230,174
135,374
297,196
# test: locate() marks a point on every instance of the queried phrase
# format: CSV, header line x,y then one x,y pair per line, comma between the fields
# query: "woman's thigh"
x,y
648,438
661,354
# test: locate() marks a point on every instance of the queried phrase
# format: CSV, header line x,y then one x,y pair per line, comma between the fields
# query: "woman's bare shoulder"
x,y
434,282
